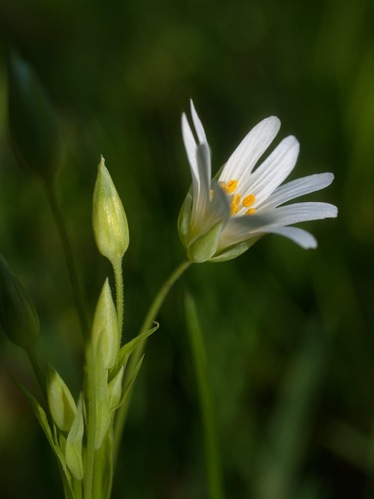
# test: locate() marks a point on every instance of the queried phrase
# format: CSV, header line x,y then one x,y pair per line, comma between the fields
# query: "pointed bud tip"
x,y
109,219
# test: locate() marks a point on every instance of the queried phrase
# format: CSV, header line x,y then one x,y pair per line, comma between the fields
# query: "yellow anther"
x,y
236,199
234,209
251,211
230,186
211,194
249,200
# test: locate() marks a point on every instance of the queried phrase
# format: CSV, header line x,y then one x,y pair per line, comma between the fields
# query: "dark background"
x,y
288,332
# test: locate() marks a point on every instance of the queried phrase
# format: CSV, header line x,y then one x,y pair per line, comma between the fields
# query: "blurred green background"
x,y
289,333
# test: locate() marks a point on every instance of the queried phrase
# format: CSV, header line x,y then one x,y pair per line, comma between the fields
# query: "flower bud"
x,y
105,333
108,217
18,317
33,126
60,400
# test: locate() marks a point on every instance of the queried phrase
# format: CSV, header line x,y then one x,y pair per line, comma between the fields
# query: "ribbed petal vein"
x,y
297,188
249,151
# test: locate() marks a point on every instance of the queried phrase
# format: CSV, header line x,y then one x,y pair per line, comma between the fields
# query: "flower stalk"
x,y
136,356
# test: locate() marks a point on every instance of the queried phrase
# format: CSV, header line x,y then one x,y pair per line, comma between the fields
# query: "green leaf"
x,y
103,412
212,456
129,347
41,416
131,381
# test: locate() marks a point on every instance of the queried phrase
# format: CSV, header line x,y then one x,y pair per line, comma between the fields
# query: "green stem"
x,y
135,357
37,370
212,457
69,256
91,423
117,268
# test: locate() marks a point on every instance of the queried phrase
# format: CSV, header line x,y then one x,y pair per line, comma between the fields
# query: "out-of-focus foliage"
x,y
289,333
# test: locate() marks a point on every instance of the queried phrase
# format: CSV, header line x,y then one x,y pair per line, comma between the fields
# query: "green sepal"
x,y
42,418
235,250
33,126
184,219
115,389
203,248
73,451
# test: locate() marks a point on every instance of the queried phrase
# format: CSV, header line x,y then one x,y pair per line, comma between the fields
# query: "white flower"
x,y
223,217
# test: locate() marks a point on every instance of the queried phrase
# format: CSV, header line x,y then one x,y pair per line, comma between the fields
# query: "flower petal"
x,y
241,228
190,146
271,173
302,212
298,236
252,147
202,215
198,125
297,188
204,169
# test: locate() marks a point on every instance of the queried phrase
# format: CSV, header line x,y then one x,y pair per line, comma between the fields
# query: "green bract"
x,y
18,317
33,126
60,400
108,217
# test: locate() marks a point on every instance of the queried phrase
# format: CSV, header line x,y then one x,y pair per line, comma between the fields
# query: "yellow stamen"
x,y
235,204
230,186
249,200
251,211
234,209
211,194
236,199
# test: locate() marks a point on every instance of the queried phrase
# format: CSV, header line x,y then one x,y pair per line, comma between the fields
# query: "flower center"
x,y
237,201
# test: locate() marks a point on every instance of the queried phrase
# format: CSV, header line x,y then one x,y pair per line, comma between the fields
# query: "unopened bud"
x,y
60,400
33,126
105,333
18,317
108,217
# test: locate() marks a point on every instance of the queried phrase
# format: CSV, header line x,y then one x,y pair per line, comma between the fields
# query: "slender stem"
x,y
135,357
37,370
117,268
212,457
91,423
69,256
